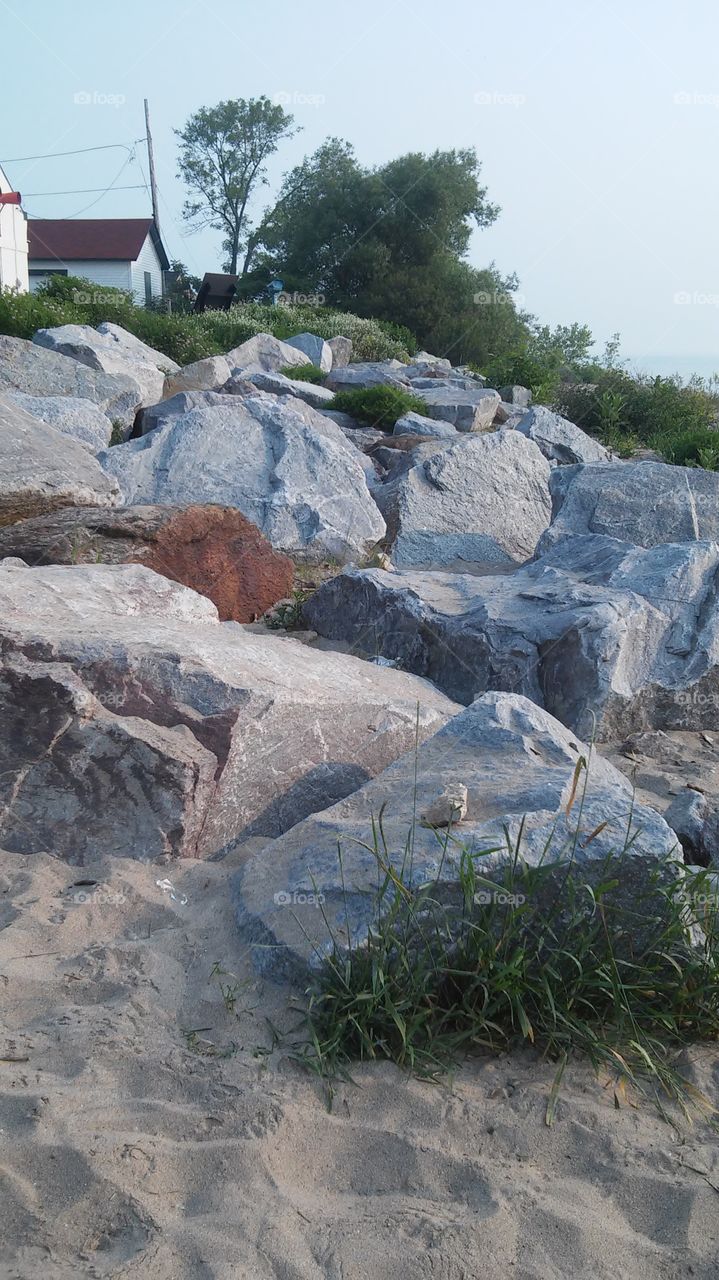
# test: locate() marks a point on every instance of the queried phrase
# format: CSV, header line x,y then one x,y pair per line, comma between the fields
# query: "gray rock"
x,y
341,349
518,765
415,424
203,375
81,419
364,374
647,503
467,408
41,469
318,351
521,397
277,384
426,357
111,349
36,371
598,632
559,439
284,466
686,816
484,500
507,414
347,422
136,724
265,352
157,415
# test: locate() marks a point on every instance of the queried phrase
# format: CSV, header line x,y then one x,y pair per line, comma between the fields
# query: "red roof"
x,y
73,239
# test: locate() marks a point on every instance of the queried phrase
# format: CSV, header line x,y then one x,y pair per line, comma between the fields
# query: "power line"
x,y
78,213
82,191
50,155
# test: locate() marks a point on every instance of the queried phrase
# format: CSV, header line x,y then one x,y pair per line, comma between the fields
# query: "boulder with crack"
x,y
604,635
518,766
203,375
646,503
318,351
482,500
41,469
468,406
137,724
368,373
282,464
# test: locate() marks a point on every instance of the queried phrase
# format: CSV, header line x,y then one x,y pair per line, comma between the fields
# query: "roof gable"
x,y
82,239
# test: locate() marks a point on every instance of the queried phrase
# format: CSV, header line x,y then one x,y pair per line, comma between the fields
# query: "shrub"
x,y
378,406
304,373
698,447
185,338
526,956
653,410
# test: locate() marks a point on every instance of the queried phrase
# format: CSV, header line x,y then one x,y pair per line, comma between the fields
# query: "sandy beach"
x,y
149,1129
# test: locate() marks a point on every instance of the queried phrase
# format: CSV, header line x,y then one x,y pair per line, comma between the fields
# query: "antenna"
x,y
151,163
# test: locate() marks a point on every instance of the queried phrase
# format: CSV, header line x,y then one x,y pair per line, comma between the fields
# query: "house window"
x,y
148,287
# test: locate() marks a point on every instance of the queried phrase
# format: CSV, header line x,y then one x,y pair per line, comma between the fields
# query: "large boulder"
x,y
277,384
608,637
559,439
483,500
136,724
203,375
315,348
265,352
288,469
647,503
214,550
371,373
41,469
341,349
36,371
468,407
518,766
81,419
111,349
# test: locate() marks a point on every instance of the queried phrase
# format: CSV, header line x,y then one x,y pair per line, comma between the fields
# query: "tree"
x,y
390,242
222,159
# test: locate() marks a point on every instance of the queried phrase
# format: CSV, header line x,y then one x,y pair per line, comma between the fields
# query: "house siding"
x,y
147,261
13,243
111,274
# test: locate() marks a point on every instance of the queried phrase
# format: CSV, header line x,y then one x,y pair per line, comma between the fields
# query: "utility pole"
x,y
151,163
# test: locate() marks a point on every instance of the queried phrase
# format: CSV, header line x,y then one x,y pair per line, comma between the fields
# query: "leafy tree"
x,y
390,242
222,158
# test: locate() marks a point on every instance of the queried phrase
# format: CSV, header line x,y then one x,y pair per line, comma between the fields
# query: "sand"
x,y
129,1148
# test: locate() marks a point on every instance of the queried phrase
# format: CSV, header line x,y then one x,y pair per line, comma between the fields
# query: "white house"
x,y
13,239
124,253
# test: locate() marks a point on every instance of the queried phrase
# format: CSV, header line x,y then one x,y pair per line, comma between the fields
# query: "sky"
x,y
596,122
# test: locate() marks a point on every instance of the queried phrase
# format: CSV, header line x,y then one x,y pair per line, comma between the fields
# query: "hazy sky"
x,y
597,125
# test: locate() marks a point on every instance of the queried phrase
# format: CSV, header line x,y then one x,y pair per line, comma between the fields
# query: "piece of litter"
x,y
168,887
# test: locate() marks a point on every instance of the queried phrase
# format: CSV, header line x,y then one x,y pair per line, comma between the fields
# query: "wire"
x,y
81,191
92,203
50,155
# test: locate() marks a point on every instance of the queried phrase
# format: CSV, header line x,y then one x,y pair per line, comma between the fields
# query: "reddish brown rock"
x,y
215,550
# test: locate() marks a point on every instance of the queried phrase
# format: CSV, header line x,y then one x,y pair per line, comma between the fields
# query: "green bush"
x,y
695,448
571,964
304,373
378,406
185,338
653,410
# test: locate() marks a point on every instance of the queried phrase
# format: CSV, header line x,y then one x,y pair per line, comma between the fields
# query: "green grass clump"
x,y
305,373
698,447
567,961
378,406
